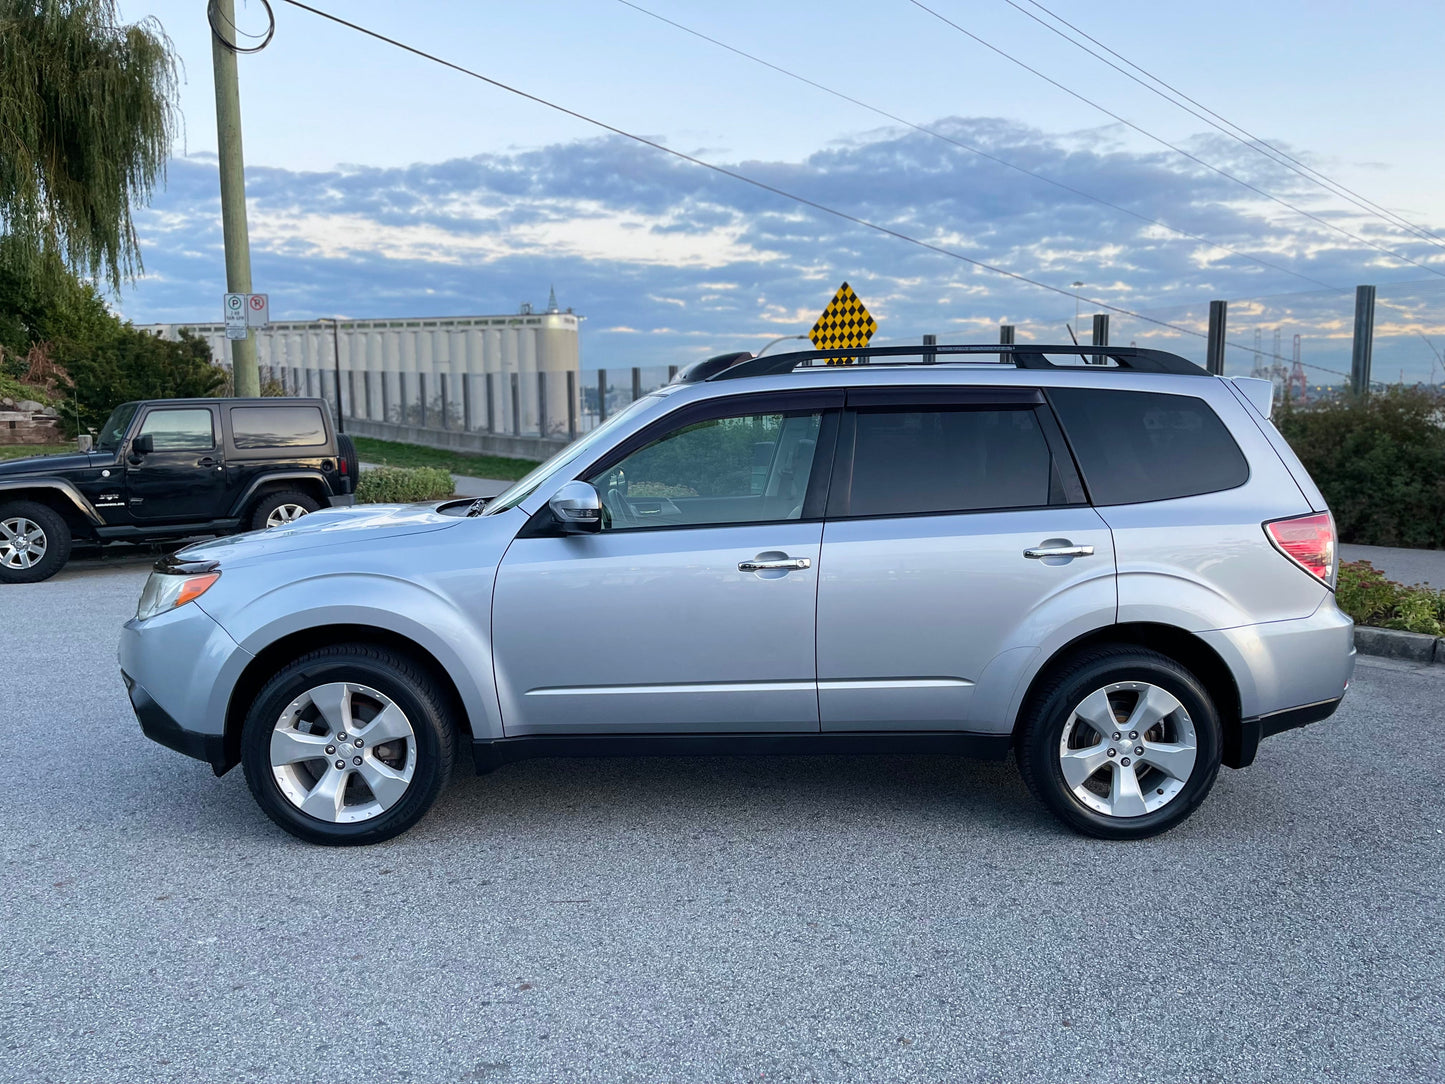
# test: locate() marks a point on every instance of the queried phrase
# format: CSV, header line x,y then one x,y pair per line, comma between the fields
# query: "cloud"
x,y
671,261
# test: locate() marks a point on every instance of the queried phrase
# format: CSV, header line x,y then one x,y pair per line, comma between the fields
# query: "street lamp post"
x,y
336,356
1077,286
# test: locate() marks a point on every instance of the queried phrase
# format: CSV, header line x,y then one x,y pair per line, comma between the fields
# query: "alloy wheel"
x,y
22,543
1128,749
343,752
284,513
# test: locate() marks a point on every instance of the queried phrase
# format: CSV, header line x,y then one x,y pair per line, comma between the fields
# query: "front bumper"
x,y
158,726
179,669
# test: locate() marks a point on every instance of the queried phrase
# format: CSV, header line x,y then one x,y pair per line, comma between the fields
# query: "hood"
x,y
45,464
329,527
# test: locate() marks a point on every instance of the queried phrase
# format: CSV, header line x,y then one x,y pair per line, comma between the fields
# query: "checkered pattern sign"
x,y
845,322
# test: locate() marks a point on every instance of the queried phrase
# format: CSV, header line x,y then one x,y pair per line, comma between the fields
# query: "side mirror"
x,y
143,445
578,508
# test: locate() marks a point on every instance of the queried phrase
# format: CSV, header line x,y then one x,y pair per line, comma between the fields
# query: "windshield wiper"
x,y
477,506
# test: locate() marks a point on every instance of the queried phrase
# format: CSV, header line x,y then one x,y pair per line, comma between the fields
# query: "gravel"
x,y
727,919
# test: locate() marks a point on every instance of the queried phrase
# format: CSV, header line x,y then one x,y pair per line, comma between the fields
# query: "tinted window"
x,y
748,469
949,461
277,427
1143,446
179,430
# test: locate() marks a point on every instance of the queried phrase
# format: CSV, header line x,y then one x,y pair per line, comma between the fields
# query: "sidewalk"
x,y
1403,565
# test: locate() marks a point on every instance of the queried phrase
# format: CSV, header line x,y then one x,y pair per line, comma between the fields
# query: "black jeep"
x,y
171,468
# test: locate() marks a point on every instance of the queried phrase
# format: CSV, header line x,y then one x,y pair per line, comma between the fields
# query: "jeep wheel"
x,y
279,509
348,744
1122,743
34,542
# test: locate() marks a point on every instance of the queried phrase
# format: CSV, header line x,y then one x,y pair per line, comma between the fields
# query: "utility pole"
x,y
245,377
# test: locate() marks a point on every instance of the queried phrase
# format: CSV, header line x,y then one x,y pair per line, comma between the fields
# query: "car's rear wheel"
x,y
1121,743
348,745
34,542
279,509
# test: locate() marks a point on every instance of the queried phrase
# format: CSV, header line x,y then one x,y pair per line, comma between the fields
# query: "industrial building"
x,y
513,375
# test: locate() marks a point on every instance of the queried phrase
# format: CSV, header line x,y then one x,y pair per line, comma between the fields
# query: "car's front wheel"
x,y
348,744
1121,743
34,542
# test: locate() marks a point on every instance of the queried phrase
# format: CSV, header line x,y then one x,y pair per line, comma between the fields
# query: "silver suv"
x,y
1104,560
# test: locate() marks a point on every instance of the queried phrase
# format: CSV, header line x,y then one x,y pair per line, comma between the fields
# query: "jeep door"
x,y
957,537
692,609
183,479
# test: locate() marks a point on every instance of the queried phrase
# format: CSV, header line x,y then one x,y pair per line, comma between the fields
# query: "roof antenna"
x,y
1071,333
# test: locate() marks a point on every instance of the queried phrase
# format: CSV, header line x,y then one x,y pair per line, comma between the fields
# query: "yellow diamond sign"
x,y
846,322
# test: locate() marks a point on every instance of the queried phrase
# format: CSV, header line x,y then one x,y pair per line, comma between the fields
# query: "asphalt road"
x,y
834,919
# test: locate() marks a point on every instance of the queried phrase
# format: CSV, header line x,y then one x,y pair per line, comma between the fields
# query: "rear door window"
x,y
1135,446
277,427
923,461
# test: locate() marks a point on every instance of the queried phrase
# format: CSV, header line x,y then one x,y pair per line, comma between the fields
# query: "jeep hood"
x,y
329,527
47,464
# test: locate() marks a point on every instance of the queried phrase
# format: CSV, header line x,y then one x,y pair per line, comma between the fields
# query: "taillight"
x,y
1308,541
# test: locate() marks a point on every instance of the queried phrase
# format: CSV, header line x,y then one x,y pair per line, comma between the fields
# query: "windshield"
x,y
113,431
520,491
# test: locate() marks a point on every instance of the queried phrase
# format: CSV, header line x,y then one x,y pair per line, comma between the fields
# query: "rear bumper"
x,y
1254,730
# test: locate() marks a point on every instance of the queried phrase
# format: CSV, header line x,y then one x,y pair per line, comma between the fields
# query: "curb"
x,y
1394,644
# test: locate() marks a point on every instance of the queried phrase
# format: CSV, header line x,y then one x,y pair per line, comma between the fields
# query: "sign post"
x,y
846,322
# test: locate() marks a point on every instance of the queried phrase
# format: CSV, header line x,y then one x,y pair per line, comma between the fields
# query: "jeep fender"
x,y
16,488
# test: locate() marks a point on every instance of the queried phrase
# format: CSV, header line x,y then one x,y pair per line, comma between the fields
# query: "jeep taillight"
x,y
1308,541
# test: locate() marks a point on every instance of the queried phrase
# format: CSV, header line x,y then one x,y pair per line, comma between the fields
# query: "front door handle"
x,y
1059,551
781,564
207,462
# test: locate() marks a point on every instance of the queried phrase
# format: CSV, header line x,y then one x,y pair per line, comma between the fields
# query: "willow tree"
x,y
87,114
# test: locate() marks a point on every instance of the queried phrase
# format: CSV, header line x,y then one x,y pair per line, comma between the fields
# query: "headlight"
x,y
164,591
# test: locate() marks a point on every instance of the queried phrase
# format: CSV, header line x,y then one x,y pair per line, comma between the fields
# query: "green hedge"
x,y
1380,462
1366,595
402,485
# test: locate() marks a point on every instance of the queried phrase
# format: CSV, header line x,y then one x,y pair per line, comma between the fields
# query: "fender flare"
x,y
54,485
314,476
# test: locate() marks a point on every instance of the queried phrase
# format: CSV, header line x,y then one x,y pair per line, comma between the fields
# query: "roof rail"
x,y
1022,355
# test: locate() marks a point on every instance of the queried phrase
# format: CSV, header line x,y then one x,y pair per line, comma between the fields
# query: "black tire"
x,y
272,501
346,449
1051,708
54,540
408,686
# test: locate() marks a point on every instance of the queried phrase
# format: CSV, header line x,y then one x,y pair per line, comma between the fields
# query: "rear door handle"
x,y
781,564
1059,551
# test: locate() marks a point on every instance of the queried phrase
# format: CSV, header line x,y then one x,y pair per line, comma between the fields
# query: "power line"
x,y
764,186
967,147
1244,138
1250,139
1173,147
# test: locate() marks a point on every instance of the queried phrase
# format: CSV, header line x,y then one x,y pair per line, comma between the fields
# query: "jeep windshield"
x,y
113,431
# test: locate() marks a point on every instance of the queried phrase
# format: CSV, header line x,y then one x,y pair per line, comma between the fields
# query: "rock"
x,y
7,401
30,406
50,412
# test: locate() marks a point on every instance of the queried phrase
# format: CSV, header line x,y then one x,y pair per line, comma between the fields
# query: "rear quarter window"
x,y
1136,446
277,427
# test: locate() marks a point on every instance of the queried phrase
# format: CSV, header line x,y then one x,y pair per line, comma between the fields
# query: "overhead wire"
x,y
762,185
1249,139
936,134
1173,147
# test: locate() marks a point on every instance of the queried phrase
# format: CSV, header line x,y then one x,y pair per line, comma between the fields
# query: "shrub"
x,y
402,485
1380,462
1366,595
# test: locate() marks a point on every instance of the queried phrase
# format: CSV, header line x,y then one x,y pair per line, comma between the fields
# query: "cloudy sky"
x,y
382,185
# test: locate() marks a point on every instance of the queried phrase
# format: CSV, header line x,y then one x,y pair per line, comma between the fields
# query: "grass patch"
x,y
403,485
390,453
20,451
1366,595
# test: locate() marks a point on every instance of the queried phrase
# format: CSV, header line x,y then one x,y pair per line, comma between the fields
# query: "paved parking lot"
x,y
824,919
